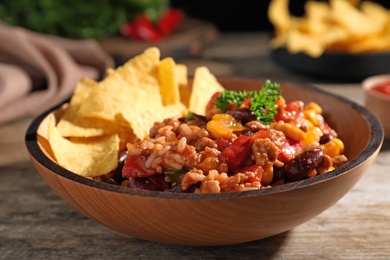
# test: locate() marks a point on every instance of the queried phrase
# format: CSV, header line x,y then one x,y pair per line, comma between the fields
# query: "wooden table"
x,y
36,224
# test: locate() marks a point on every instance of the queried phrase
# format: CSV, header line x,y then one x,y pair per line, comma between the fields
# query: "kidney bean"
x,y
178,189
279,174
117,173
303,164
243,115
325,138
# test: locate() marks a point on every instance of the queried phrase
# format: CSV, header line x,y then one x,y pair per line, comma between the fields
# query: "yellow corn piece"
x,y
218,129
309,123
314,106
278,126
229,121
311,115
293,132
339,143
268,175
310,138
280,102
331,149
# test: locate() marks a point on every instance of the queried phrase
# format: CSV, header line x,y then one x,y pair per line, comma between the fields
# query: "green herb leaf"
x,y
262,102
190,116
228,97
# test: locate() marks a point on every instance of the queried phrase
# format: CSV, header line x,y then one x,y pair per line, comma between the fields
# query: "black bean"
x,y
303,164
243,115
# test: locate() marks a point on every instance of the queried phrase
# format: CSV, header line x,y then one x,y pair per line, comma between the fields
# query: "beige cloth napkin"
x,y
38,71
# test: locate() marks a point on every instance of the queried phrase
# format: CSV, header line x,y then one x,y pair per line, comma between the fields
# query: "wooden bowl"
x,y
376,102
226,218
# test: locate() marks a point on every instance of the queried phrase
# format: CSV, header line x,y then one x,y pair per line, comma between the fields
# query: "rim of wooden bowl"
x,y
376,140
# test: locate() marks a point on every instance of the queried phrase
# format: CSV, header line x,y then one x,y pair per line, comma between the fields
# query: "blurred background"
x,y
73,18
243,15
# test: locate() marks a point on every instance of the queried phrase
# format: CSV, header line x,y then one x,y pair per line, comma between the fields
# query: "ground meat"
x,y
277,137
173,122
339,160
265,152
165,155
192,133
191,178
255,126
325,165
205,142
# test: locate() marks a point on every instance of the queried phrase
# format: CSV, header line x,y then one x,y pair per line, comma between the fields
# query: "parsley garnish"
x,y
262,102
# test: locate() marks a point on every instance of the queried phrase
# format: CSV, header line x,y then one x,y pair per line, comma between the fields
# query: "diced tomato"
x,y
294,108
291,111
135,167
231,106
257,170
325,128
237,153
222,143
288,150
262,133
281,116
211,103
246,103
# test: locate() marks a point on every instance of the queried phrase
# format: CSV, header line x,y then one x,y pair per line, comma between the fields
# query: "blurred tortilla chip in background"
x,y
337,25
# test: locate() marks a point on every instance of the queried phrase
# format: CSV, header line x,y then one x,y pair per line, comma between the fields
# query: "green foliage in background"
x,y
77,18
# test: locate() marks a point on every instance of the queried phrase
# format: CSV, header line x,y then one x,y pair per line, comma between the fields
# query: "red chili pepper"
x,y
128,30
135,167
170,20
237,153
141,28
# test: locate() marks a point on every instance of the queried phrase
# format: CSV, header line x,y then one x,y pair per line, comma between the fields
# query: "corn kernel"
x,y
331,149
218,129
281,102
293,132
314,106
268,175
221,116
309,123
339,143
310,138
229,121
311,115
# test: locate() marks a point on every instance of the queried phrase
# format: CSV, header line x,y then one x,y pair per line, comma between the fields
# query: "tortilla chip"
x,y
181,74
72,124
169,86
88,157
205,85
128,97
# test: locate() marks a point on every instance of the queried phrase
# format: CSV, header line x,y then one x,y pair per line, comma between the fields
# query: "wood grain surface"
x,y
36,224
